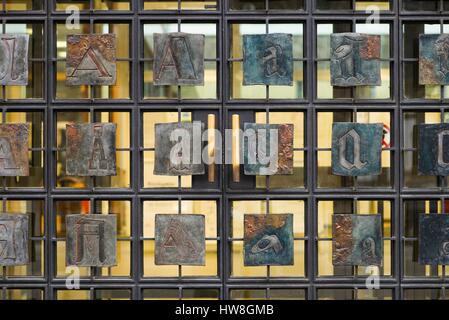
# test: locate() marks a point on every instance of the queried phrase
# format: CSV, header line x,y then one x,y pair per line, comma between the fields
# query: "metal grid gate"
x,y
224,191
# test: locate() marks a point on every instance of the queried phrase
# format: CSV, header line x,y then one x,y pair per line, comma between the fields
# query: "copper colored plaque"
x,y
91,149
91,59
14,149
268,239
357,240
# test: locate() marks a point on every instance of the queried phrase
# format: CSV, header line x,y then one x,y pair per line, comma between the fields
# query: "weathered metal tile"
x,y
178,149
434,239
357,240
355,60
180,239
90,149
268,59
356,148
91,59
268,149
433,59
14,149
14,59
433,149
268,239
178,59
91,240
14,231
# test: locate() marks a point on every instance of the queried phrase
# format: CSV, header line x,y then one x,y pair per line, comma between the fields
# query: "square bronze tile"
x,y
91,149
91,240
14,149
91,59
180,239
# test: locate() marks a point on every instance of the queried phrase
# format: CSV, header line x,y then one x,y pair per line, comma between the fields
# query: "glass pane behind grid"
x,y
312,195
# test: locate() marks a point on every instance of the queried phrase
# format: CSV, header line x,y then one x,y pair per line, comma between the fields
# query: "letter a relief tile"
x,y
91,240
356,148
14,231
268,239
357,240
91,59
355,60
14,59
180,239
178,149
433,149
434,239
91,149
268,149
14,149
434,59
268,59
178,59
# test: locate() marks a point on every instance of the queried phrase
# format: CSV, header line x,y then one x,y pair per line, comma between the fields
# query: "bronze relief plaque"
x,y
180,239
14,59
434,239
90,149
268,239
433,59
91,240
357,240
178,59
14,149
268,149
91,59
355,60
14,238
178,149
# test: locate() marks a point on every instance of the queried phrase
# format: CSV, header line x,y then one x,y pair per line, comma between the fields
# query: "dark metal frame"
x,y
223,106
